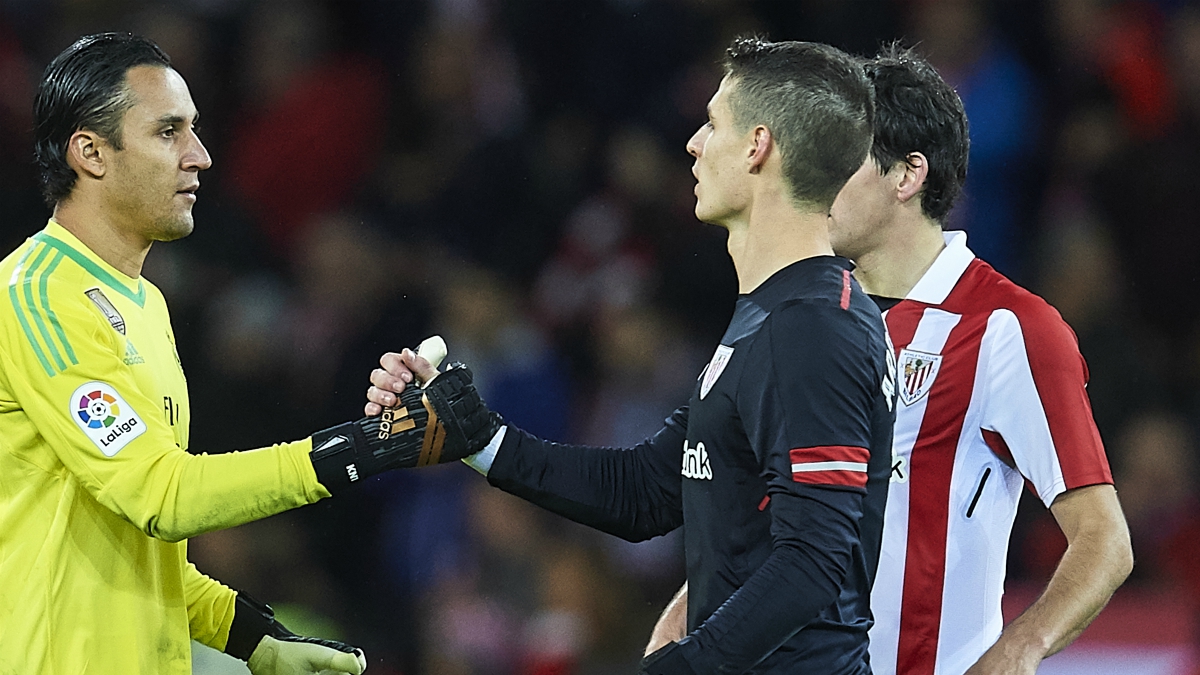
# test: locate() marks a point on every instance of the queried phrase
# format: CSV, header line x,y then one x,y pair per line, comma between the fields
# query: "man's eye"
x,y
168,133
708,124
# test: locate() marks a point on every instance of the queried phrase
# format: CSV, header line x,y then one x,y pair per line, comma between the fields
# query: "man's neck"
x,y
113,244
904,254
773,237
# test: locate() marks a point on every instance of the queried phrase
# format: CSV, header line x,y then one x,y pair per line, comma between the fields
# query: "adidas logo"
x,y
132,358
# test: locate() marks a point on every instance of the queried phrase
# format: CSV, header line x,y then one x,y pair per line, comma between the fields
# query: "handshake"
x,y
443,421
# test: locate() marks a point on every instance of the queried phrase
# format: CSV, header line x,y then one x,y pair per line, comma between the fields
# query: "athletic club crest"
x,y
917,372
714,369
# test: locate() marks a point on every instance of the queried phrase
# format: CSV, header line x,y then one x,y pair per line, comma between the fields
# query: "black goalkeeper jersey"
x,y
778,469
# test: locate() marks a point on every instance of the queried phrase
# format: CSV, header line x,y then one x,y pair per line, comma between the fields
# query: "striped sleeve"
x,y
1037,408
30,298
841,465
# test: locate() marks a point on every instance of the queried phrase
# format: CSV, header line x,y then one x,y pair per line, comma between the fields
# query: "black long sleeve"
x,y
633,493
813,552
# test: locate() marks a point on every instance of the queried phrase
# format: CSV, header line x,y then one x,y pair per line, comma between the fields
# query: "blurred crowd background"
x,y
511,174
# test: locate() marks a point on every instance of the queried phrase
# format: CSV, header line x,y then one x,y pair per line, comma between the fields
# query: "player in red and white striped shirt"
x,y
991,396
991,389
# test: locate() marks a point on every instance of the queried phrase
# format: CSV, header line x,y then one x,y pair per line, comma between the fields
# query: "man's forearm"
x,y
1076,594
1098,559
210,606
785,594
801,578
632,493
672,625
183,496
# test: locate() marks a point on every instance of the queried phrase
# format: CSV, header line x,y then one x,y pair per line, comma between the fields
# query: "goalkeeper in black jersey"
x,y
778,467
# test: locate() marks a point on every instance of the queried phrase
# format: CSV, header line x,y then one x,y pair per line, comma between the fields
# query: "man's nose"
x,y
694,144
197,157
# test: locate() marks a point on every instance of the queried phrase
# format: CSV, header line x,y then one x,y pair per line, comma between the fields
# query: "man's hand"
x,y
269,648
443,422
396,371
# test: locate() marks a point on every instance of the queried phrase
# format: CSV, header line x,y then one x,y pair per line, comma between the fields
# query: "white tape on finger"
x,y
433,350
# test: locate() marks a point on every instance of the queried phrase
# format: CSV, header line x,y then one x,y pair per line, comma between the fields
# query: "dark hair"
x,y
916,111
84,88
816,101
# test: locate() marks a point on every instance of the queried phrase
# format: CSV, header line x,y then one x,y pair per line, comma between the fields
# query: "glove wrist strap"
x,y
335,459
251,621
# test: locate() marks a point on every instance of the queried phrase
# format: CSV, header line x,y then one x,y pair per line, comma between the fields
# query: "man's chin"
x,y
707,216
174,230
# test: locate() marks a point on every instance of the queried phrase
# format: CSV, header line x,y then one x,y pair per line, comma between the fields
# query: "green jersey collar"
x,y
59,237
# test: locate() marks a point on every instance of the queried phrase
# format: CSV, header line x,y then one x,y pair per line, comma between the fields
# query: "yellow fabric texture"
x,y
98,493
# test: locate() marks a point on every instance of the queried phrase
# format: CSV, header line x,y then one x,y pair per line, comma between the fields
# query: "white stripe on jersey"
x,y
830,466
1022,415
931,335
977,546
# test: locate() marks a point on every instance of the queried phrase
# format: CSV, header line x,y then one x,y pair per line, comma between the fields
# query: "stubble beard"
x,y
174,228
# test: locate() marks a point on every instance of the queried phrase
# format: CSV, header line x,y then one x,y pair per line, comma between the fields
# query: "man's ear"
x,y
760,150
87,152
916,169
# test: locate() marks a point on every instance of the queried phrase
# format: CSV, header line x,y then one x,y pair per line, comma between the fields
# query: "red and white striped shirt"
x,y
991,389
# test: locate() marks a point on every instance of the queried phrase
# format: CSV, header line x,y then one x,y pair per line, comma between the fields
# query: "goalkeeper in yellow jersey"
x,y
98,493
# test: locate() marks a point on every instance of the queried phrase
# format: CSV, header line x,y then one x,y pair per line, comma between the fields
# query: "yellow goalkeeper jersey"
x,y
97,491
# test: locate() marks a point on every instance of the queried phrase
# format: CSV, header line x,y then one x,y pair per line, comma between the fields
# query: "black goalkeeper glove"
x,y
269,648
444,422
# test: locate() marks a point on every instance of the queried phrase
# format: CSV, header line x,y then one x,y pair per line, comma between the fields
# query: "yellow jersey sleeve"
x,y
63,362
210,607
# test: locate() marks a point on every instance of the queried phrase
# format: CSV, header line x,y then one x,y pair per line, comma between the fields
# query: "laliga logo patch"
x,y
105,418
98,409
714,369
